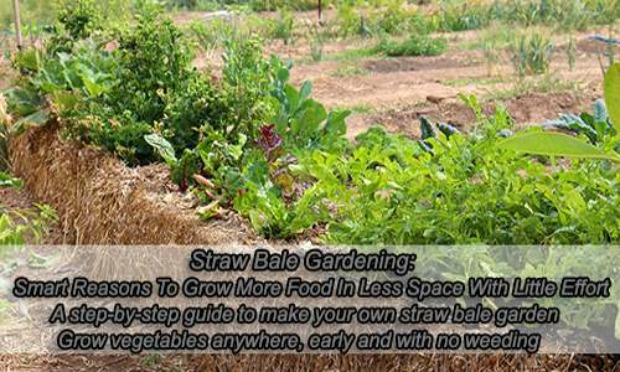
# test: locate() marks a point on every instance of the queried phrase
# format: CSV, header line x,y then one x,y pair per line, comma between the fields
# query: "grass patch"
x,y
531,54
461,82
549,83
349,71
354,54
362,108
416,45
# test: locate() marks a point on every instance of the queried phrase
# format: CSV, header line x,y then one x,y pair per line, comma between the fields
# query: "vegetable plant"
x,y
600,128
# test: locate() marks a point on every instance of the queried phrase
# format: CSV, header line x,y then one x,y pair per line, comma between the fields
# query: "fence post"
x,y
18,24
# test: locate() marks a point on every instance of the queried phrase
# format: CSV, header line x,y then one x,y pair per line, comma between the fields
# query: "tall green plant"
x,y
531,54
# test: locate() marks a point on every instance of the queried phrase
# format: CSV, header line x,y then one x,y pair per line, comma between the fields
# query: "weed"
x,y
415,45
461,16
349,71
571,53
284,25
531,54
549,83
19,227
316,50
353,54
461,82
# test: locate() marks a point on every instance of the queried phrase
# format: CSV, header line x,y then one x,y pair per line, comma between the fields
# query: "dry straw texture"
x,y
101,201
271,363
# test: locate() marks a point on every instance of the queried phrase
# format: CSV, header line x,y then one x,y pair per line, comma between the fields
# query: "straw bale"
x,y
101,201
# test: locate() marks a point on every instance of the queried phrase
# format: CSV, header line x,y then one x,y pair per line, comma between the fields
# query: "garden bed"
x,y
99,200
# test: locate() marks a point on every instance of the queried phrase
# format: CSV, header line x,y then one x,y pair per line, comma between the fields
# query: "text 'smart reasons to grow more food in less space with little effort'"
x,y
310,185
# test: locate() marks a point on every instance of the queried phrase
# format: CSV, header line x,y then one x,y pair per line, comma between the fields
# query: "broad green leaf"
x,y
163,148
554,144
336,124
37,119
600,111
304,92
309,118
292,97
612,94
64,100
22,102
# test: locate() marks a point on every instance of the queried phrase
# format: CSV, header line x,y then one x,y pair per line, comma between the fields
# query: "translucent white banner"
x,y
308,299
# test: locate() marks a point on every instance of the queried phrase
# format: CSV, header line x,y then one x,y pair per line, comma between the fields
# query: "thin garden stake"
x,y
320,20
18,24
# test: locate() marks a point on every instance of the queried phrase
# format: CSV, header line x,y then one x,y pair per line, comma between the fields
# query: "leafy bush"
x,y
450,189
463,15
388,17
415,45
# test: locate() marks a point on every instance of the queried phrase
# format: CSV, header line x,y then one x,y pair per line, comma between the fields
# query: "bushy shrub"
x,y
448,188
415,45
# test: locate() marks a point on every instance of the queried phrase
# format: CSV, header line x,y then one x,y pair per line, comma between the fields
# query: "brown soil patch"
x,y
592,47
385,362
383,66
525,110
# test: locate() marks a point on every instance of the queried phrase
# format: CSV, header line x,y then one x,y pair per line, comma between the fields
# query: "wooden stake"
x,y
18,24
320,20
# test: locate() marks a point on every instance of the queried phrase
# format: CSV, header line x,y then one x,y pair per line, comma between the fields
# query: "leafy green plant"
x,y
284,26
18,227
415,45
595,127
462,16
531,54
6,180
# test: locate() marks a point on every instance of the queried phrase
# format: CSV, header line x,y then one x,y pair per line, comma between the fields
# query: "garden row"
x,y
252,143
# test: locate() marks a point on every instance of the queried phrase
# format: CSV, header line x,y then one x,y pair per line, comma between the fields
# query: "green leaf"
x,y
304,92
554,144
336,124
36,119
6,180
612,94
292,97
600,111
426,129
309,118
65,100
163,148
